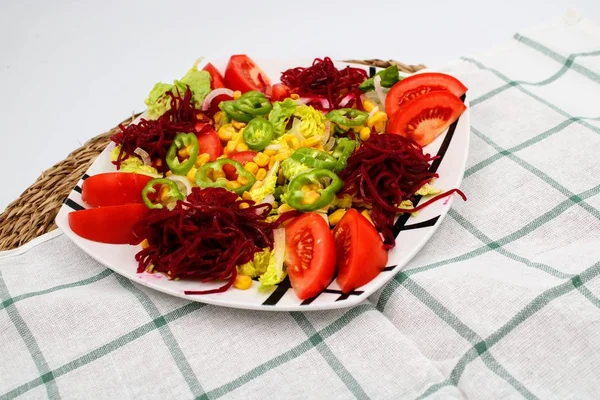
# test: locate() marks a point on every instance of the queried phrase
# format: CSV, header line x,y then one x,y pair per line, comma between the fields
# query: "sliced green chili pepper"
x,y
347,116
249,105
296,198
389,77
203,181
344,149
314,158
258,133
182,140
174,192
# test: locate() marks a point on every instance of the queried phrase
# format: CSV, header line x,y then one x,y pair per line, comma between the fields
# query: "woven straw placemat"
x,y
33,213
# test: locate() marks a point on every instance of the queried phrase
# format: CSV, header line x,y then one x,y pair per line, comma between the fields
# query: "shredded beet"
x,y
384,171
324,80
205,237
155,136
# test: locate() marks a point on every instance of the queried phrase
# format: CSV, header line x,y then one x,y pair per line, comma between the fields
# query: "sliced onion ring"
x,y
379,91
143,155
330,143
215,93
347,99
182,183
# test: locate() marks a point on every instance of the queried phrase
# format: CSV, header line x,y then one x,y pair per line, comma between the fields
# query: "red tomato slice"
x,y
209,142
309,255
360,252
244,75
280,92
416,85
113,188
426,117
216,80
243,157
110,224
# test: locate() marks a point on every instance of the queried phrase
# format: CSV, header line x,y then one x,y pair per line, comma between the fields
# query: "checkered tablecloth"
x,y
503,302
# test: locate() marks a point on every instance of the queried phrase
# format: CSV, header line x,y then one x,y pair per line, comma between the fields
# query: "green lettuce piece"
x,y
268,186
291,168
389,77
258,265
158,102
312,121
275,272
199,83
428,190
280,114
134,165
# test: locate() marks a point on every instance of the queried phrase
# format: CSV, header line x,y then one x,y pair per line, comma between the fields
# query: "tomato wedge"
x,y
309,255
243,157
244,75
208,141
280,92
416,85
216,80
111,224
360,252
426,117
113,188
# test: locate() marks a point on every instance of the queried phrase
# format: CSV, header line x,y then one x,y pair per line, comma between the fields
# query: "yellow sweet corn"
x,y
270,152
244,205
257,185
216,174
218,117
246,196
226,132
163,194
242,180
260,174
233,185
238,125
311,197
366,214
191,175
261,159
294,96
311,141
145,244
281,156
241,147
284,208
295,143
237,94
378,121
272,162
368,105
169,173
365,133
242,282
251,167
185,151
202,159
230,147
336,216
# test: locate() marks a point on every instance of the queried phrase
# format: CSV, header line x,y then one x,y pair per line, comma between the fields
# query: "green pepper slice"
x,y
203,181
344,149
228,107
389,77
347,116
297,195
249,105
182,140
174,192
258,133
314,158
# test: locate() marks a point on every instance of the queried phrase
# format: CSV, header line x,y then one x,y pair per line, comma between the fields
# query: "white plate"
x,y
413,232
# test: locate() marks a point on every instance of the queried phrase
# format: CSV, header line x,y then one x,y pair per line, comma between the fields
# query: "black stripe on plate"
x,y
333,291
85,176
424,224
372,71
389,268
278,293
73,205
433,168
77,189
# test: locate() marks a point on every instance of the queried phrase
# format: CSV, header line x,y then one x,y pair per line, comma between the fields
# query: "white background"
x,y
70,70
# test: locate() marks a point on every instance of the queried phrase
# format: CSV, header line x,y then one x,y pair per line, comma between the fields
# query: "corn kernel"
x,y
226,132
237,94
311,197
336,216
294,143
242,282
270,152
237,135
272,162
251,167
242,180
246,196
145,244
257,185
366,214
378,117
233,185
218,117
202,159
238,125
379,126
365,133
357,129
260,174
368,105
305,188
191,175
281,156
230,147
158,163
169,173
261,159
163,194
217,174
284,208
241,147
244,205
280,177
294,96
311,141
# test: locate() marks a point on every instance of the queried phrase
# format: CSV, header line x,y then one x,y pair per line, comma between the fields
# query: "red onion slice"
x,y
212,95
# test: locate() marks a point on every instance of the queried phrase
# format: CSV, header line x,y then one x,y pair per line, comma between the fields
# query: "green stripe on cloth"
x,y
291,354
548,216
41,364
530,309
568,62
106,349
589,295
464,331
105,273
167,336
530,94
335,364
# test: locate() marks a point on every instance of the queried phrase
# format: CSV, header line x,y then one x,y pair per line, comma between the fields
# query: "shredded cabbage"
x,y
312,121
268,187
